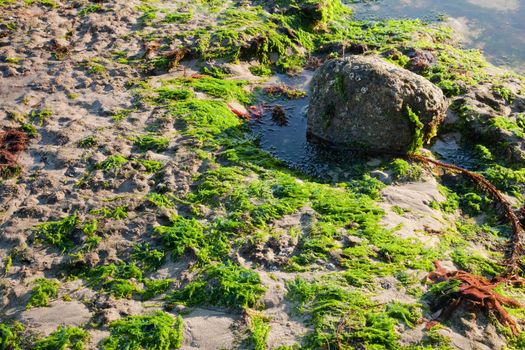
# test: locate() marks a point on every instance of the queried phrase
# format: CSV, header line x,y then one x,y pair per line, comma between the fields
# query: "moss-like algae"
x,y
417,140
44,290
158,330
58,233
222,285
11,335
329,305
64,337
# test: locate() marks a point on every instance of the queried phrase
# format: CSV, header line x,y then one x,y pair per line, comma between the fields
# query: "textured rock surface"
x,y
489,116
362,103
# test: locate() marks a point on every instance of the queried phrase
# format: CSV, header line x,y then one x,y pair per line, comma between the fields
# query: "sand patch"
x,y
205,329
46,319
418,217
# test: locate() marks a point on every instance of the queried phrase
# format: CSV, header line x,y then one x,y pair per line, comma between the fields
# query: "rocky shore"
x,y
138,210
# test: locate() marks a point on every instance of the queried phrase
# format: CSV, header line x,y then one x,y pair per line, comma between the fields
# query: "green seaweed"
x,y
408,313
8,263
507,179
157,330
259,331
270,197
403,171
149,13
226,285
178,17
167,94
44,290
112,163
48,3
160,200
89,9
117,213
504,92
30,130
437,340
504,123
327,305
40,116
153,288
58,233
182,235
476,264
152,143
260,71
119,280
121,114
88,142
151,166
214,87
417,140
204,119
11,336
147,259
451,202
65,337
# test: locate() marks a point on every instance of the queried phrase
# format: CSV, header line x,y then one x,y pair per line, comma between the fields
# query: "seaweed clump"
x,y
455,287
12,143
158,330
42,292
347,319
63,338
222,285
11,335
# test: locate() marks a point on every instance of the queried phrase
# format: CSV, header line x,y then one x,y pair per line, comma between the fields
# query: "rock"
x,y
363,103
487,117
421,60
382,176
109,315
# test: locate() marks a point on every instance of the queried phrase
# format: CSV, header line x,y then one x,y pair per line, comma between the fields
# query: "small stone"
x,y
421,60
351,241
91,259
179,308
279,116
109,315
382,176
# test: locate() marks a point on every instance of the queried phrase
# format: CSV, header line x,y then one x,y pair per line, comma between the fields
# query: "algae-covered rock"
x,y
368,104
494,114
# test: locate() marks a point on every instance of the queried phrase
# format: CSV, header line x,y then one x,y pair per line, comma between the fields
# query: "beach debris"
x,y
284,90
279,116
238,109
12,143
476,291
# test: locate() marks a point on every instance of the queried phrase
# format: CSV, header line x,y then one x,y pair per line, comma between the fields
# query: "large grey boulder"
x,y
364,103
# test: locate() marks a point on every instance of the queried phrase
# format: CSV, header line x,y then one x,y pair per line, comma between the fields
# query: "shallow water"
x,y
289,142
497,27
